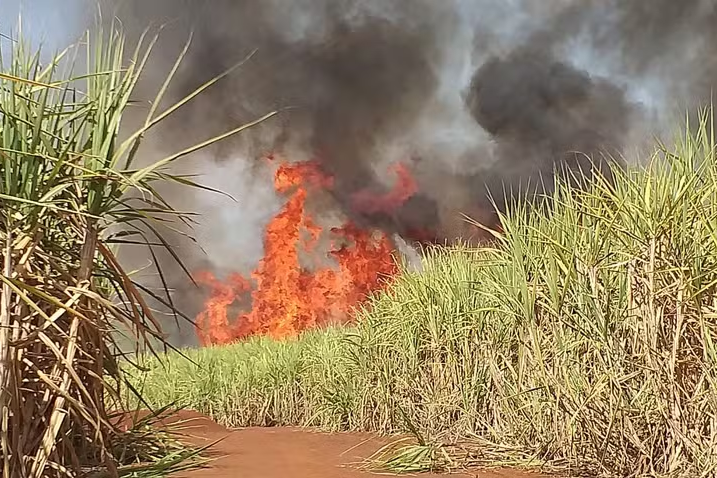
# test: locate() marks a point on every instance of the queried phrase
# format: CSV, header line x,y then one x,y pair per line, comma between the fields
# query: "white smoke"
x,y
409,253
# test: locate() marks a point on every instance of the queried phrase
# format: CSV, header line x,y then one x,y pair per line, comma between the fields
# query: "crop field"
x,y
581,340
578,339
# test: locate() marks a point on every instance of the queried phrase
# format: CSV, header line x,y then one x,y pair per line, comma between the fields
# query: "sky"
x,y
50,23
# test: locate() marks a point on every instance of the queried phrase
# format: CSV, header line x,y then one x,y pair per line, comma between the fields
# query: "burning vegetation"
x,y
470,101
286,295
585,341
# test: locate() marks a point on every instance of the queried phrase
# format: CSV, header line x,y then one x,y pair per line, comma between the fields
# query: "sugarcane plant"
x,y
73,189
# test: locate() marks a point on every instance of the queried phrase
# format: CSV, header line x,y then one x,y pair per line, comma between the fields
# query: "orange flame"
x,y
286,298
404,188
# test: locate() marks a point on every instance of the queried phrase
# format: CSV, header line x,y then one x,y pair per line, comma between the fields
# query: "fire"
x,y
287,298
404,188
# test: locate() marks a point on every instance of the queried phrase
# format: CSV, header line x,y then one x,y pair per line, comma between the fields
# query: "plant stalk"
x,y
5,304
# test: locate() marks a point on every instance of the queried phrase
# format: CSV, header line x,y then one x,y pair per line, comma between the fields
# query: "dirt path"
x,y
281,452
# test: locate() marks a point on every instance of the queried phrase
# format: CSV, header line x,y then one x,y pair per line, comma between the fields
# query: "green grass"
x,y
582,341
261,382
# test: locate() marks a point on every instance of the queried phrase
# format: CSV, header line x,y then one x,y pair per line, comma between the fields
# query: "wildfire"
x,y
404,188
286,298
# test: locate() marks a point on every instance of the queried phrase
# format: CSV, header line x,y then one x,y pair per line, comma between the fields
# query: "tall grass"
x,y
582,340
70,192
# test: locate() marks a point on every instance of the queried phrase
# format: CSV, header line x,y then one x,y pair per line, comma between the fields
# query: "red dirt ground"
x,y
282,452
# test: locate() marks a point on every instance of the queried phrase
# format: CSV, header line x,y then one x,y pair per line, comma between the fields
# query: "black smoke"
x,y
356,79
551,84
359,74
560,119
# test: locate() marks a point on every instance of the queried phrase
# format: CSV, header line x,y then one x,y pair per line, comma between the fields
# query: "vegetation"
x,y
582,341
70,192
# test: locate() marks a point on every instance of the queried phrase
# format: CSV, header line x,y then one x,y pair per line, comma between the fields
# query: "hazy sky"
x,y
53,22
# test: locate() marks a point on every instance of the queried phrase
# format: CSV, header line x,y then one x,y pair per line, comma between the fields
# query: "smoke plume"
x,y
372,82
472,95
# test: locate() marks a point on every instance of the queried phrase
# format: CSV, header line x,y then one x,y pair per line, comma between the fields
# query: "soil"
x,y
281,452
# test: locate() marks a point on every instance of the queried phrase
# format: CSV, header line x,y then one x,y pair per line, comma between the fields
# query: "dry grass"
x,y
69,194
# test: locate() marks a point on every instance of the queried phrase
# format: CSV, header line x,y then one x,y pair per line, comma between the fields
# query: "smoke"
x,y
473,95
469,93
411,256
